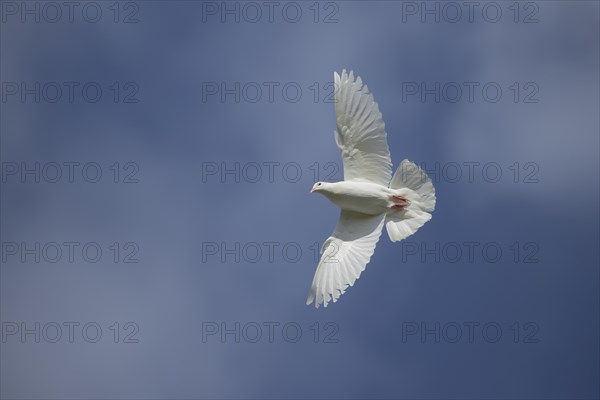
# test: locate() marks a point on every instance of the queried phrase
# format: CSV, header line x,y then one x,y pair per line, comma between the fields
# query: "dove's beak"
x,y
312,190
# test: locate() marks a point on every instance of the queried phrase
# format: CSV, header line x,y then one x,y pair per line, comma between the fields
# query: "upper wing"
x,y
345,255
360,133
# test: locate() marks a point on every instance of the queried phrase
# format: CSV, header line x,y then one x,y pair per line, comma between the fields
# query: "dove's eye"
x,y
319,184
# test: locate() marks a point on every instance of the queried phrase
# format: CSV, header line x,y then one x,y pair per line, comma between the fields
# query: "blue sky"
x,y
173,149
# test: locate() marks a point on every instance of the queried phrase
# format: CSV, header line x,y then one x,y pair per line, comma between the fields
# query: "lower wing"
x,y
344,256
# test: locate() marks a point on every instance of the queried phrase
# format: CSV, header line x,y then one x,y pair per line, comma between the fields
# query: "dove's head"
x,y
319,187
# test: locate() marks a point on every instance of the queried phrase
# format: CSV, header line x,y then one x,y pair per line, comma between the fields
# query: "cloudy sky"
x,y
158,234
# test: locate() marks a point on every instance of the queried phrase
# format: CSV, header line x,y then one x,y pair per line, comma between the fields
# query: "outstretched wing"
x,y
360,132
345,255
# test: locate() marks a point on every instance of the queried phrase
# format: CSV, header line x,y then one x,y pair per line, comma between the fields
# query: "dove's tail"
x,y
402,223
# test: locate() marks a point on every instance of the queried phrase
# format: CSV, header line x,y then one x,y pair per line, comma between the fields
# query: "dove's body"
x,y
361,197
369,197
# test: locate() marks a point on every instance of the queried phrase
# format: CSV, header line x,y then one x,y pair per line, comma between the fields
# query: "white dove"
x,y
369,196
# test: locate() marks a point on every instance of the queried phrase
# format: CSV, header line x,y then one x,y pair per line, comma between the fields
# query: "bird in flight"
x,y
369,197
